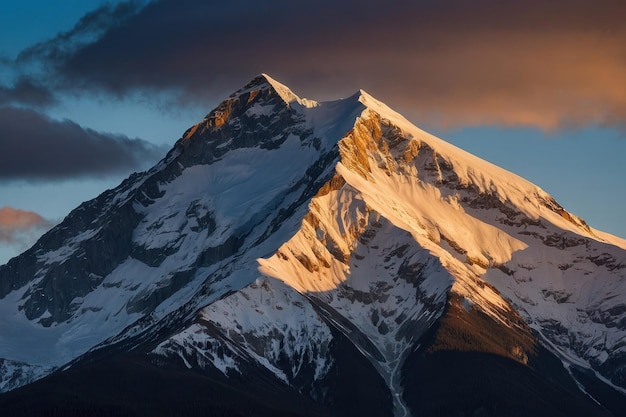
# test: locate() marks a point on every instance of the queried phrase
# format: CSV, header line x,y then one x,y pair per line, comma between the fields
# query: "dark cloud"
x,y
540,63
34,147
87,30
28,92
18,227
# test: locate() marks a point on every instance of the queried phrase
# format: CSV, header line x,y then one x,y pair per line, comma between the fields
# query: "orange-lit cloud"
x,y
18,227
549,64
548,80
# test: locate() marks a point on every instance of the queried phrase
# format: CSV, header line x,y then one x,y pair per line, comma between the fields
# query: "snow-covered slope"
x,y
190,225
279,228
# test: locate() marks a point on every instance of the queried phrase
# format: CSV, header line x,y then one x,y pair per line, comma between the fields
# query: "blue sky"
x,y
91,90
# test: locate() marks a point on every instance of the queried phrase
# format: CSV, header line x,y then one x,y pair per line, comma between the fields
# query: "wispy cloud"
x,y
35,147
19,228
546,64
87,30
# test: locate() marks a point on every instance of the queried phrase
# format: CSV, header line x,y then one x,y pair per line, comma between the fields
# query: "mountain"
x,y
290,257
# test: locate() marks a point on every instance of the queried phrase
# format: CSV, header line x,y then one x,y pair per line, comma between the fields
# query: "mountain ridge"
x,y
279,232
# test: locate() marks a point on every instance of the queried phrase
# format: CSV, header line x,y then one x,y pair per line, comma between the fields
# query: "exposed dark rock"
x,y
558,296
469,364
606,260
562,241
552,204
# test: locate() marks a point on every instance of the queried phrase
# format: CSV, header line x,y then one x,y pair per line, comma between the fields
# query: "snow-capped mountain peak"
x,y
287,94
311,244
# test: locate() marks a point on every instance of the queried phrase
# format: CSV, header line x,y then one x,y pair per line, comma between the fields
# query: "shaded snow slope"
x,y
188,226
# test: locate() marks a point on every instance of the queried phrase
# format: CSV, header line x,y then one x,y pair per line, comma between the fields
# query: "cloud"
x,y
36,77
34,147
19,228
537,63
87,30
28,92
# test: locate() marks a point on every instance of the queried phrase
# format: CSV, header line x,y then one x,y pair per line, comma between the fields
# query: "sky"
x,y
93,90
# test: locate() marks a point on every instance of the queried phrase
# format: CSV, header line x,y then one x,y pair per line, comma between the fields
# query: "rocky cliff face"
x,y
281,236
